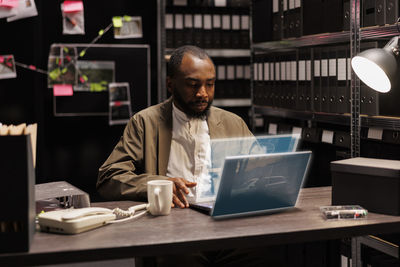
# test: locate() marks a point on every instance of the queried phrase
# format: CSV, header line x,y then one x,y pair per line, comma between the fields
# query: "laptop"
x,y
258,184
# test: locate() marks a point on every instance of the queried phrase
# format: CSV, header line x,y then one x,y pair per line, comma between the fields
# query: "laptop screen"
x,y
260,183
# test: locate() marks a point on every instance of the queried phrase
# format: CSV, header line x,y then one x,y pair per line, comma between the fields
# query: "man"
x,y
170,140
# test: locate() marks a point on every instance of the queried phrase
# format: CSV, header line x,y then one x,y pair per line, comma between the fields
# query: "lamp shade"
x,y
377,67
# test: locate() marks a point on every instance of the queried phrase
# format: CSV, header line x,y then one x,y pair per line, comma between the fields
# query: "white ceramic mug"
x,y
159,196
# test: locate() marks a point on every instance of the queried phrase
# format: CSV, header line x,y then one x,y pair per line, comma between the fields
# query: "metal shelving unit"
x,y
369,33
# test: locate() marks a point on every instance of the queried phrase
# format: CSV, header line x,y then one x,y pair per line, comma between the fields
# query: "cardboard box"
x,y
371,183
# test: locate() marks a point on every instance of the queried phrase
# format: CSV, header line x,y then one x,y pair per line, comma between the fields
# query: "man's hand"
x,y
180,189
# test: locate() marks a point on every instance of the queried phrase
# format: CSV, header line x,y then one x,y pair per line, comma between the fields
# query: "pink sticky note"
x,y
63,90
32,67
1,59
72,6
9,3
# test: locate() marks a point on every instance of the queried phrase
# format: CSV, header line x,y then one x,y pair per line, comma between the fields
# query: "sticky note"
x,y
54,74
127,18
64,70
32,67
82,53
72,6
117,22
101,32
1,59
9,3
63,90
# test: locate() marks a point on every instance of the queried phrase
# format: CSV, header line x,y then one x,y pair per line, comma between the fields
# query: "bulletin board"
x,y
132,65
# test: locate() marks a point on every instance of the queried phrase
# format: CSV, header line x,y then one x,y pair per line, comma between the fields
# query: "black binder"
x,y
17,194
392,11
343,84
169,30
226,31
235,33
346,15
262,21
178,30
317,81
324,99
332,73
188,29
369,98
198,30
207,33
216,31
303,56
332,16
244,33
312,17
368,13
277,20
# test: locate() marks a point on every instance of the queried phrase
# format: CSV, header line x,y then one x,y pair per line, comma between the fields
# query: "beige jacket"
x,y
142,152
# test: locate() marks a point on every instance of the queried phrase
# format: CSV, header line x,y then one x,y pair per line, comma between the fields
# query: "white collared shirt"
x,y
190,154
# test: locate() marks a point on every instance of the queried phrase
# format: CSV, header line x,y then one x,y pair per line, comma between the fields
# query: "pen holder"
x,y
17,198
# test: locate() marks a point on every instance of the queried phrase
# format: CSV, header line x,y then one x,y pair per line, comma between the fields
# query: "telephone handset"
x,y
74,221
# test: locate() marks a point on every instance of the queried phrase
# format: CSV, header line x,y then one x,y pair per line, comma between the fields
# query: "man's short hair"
x,y
177,56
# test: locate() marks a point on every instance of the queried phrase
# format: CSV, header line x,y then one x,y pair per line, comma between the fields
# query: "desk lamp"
x,y
377,67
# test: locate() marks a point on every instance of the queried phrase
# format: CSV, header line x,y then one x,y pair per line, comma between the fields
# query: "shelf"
x,y
218,52
389,123
373,32
232,102
307,40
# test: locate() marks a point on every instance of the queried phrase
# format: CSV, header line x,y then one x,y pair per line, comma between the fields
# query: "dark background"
x,y
68,148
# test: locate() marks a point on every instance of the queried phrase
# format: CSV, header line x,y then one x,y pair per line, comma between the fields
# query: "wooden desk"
x,y
186,230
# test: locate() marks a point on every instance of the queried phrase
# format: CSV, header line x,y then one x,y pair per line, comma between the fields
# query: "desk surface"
x,y
186,230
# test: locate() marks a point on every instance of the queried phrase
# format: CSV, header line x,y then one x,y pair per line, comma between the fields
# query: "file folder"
x,y
368,13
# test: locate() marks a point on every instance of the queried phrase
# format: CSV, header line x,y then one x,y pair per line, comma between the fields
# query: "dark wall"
x,y
69,148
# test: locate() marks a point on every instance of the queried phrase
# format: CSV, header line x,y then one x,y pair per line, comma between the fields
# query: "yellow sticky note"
x,y
117,22
101,32
55,73
127,18
82,53
64,70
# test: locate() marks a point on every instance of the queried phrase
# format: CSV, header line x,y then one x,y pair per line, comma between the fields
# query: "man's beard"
x,y
188,111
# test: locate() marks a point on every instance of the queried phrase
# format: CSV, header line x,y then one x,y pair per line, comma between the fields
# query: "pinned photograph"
x,y
24,9
7,67
7,11
120,103
73,17
127,27
94,76
62,66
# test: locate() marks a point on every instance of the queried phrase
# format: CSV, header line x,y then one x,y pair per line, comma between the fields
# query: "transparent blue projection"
x,y
222,148
261,183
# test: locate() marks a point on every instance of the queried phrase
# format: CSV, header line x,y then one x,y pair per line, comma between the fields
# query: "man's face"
x,y
192,88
